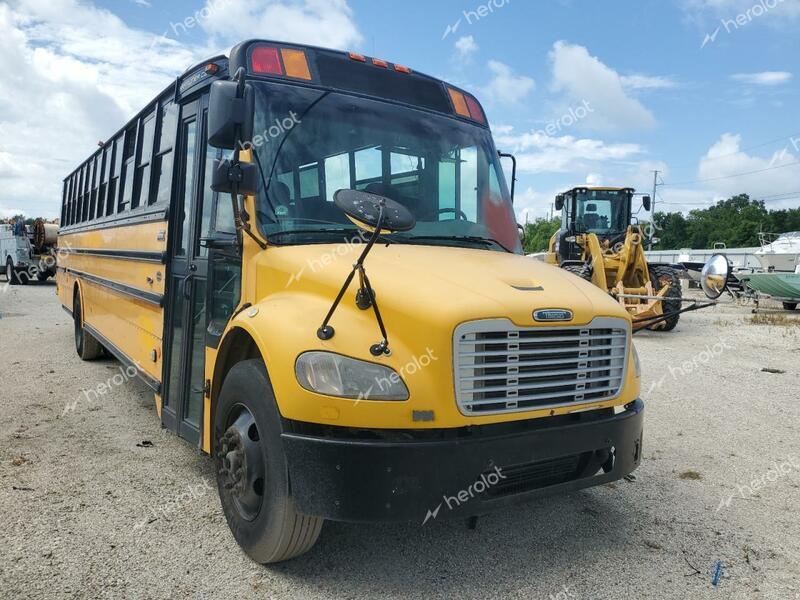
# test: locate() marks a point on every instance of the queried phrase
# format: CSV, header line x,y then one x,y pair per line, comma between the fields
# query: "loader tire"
x,y
661,276
581,271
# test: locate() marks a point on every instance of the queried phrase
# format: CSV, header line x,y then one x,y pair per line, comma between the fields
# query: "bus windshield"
x,y
602,211
309,143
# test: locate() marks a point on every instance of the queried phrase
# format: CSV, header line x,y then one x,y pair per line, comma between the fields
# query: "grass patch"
x,y
777,320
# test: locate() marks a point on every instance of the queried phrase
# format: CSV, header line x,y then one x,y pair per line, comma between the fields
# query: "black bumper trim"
x,y
376,480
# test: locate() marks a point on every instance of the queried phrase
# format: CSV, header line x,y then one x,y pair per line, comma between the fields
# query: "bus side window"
x,y
141,193
162,164
113,182
126,178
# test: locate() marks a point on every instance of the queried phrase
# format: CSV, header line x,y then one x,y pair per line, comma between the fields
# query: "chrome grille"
x,y
502,368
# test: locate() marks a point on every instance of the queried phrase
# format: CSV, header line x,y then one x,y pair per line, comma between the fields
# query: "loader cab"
x,y
605,212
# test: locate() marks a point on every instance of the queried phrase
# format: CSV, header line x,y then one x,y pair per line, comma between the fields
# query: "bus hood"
x,y
443,286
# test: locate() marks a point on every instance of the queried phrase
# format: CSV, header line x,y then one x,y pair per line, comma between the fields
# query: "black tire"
x,y
248,448
11,275
789,305
42,276
87,347
581,271
661,276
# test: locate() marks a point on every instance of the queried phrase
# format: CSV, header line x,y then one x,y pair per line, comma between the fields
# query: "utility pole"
x,y
653,207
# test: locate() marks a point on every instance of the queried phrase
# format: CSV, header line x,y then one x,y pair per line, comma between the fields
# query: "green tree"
x,y
538,234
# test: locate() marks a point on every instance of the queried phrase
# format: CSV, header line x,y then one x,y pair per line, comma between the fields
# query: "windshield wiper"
x,y
471,239
339,230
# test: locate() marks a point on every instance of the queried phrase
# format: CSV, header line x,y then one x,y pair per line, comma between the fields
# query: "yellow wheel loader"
x,y
597,242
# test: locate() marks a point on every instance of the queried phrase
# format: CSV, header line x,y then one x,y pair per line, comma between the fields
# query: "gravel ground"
x,y
100,502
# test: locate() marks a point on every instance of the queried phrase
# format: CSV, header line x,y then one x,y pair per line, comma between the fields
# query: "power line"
x,y
797,162
748,148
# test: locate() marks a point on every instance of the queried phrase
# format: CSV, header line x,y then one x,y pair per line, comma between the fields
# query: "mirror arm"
x,y
326,332
513,171
235,174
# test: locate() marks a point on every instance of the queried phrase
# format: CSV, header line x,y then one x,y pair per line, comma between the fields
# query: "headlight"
x,y
336,375
637,366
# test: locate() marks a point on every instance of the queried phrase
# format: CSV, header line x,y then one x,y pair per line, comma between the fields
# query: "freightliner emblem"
x,y
552,314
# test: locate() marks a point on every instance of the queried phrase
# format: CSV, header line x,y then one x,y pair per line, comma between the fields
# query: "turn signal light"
x,y
296,64
475,110
459,102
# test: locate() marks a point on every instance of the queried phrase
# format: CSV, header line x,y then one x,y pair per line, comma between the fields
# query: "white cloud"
x,y
506,87
764,78
327,23
725,160
466,46
73,74
537,152
583,77
646,82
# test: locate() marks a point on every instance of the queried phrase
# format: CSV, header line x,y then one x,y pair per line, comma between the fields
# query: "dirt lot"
x,y
98,501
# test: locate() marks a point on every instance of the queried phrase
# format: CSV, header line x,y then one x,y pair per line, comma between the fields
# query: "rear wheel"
x,y
252,473
790,305
87,347
667,276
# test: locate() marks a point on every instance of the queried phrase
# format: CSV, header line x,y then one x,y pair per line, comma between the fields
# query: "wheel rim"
x,y
241,463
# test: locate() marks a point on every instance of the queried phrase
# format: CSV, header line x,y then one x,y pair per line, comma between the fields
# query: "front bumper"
x,y
466,472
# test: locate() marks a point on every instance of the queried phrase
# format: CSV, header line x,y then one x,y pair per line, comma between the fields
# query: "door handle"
x,y
185,287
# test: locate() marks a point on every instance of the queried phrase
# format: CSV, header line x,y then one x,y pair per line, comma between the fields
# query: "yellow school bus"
x,y
311,257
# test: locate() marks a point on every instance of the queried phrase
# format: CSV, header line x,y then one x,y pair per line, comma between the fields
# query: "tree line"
x,y
736,222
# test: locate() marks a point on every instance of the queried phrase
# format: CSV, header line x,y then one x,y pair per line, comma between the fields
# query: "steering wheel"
x,y
459,214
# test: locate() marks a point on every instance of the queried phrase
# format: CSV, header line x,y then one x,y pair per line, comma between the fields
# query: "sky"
x,y
581,91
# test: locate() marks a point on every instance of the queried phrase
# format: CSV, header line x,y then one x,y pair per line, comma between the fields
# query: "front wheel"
x,y
667,276
252,473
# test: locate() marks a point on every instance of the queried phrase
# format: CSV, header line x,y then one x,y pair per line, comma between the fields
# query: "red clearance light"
x,y
358,57
380,63
475,110
402,69
266,60
211,68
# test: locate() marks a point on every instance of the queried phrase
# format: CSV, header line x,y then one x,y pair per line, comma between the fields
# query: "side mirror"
x,y
560,202
226,175
714,277
227,112
647,203
372,212
521,233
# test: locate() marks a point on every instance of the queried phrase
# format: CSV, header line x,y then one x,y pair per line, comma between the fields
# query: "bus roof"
x,y
313,66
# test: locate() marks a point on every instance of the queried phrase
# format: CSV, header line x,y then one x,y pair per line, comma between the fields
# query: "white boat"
x,y
779,252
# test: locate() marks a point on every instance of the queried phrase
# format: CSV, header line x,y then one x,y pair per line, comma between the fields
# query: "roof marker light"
x,y
475,110
402,69
358,57
380,63
459,103
296,63
265,60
